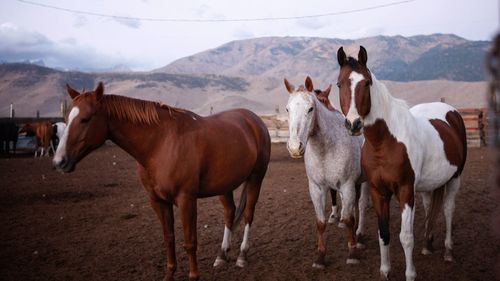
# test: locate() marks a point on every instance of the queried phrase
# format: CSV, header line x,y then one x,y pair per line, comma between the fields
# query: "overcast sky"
x,y
76,40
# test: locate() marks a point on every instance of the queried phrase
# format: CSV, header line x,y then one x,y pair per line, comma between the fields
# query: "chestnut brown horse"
x,y
406,150
43,133
180,157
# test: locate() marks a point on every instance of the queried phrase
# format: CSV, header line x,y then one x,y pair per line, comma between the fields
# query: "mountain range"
x,y
249,73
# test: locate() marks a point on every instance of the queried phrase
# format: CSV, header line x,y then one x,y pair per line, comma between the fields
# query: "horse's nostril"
x,y
347,124
300,146
356,125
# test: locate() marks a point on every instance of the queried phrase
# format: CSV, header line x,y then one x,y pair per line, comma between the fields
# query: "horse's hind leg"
x,y
334,215
229,208
426,202
449,207
253,185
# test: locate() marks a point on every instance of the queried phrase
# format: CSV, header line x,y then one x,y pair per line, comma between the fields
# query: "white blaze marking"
x,y
61,149
353,114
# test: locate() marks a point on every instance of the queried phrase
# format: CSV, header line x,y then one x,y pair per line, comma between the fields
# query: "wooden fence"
x,y
475,125
475,120
24,120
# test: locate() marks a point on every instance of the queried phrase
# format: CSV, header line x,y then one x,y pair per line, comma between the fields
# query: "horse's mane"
x,y
324,100
134,110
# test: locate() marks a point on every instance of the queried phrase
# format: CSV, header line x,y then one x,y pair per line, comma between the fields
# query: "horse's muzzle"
x,y
64,165
296,150
355,127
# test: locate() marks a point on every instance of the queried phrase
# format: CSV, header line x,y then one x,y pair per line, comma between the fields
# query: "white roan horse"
x,y
406,150
332,160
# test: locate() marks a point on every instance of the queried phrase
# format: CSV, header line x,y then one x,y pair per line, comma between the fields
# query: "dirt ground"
x,y
96,224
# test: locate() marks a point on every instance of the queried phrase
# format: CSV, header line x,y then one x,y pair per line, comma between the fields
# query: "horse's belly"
x,y
434,175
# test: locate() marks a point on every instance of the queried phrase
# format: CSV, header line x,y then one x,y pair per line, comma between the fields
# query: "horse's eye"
x,y
310,110
85,120
286,108
338,84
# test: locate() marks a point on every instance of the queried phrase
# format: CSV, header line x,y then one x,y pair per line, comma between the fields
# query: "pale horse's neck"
x,y
328,125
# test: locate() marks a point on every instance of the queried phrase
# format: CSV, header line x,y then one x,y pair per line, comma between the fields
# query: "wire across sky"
x,y
215,20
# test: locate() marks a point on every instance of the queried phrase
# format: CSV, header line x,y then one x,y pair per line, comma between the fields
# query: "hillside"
x,y
31,87
249,73
397,58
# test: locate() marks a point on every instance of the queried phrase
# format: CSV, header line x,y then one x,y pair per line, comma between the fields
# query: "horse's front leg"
x,y
187,208
381,199
348,197
363,202
318,197
406,202
165,214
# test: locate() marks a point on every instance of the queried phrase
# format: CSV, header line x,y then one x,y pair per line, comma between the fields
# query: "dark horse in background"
x,y
180,157
8,135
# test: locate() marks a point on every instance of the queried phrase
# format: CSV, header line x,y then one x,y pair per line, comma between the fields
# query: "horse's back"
x,y
233,145
442,128
247,122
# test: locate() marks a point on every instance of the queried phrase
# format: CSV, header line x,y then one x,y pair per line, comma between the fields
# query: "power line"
x,y
214,19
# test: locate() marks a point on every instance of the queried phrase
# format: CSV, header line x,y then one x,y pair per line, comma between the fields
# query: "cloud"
x,y
243,33
129,22
19,44
312,23
80,21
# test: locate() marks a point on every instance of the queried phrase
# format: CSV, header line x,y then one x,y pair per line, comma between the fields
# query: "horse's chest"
x,y
326,170
387,166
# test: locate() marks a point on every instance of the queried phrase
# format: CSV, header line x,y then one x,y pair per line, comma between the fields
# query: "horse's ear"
x,y
99,90
71,92
326,92
289,87
309,84
362,56
341,57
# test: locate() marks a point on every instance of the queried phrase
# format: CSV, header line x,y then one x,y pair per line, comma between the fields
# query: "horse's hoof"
x,y
383,277
352,261
360,245
219,261
448,256
318,266
426,252
168,278
341,225
333,220
241,263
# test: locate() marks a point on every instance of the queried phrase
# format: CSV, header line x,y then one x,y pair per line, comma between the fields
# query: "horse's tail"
x,y
434,209
241,207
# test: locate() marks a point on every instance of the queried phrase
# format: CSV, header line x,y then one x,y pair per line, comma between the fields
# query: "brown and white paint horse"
x,y
180,157
422,149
